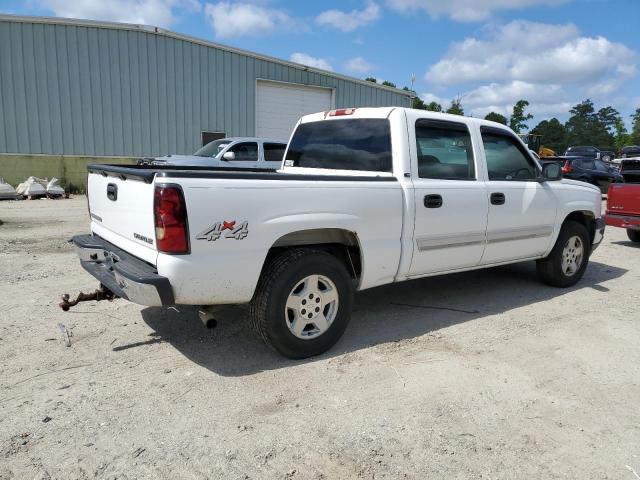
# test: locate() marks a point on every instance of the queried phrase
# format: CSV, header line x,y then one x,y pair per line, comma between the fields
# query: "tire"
x,y
634,235
552,270
284,282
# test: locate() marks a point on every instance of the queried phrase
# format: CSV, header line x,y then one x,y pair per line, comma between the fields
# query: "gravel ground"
x,y
487,374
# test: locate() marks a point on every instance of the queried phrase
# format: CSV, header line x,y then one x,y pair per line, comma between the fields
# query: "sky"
x,y
488,53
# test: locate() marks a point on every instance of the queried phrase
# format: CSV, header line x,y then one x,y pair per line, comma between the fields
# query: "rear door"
x,y
450,199
121,210
603,175
521,210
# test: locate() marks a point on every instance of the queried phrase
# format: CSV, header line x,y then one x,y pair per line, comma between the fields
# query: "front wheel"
x,y
634,235
303,302
566,263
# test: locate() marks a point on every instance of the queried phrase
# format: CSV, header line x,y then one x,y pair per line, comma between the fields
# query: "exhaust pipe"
x,y
206,316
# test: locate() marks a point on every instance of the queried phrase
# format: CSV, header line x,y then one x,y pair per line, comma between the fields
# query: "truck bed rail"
x,y
147,173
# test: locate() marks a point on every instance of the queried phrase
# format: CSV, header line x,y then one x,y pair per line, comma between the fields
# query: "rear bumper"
x,y
122,273
623,221
599,233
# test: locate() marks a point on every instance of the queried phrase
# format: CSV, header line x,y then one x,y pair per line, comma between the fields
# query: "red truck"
x,y
623,200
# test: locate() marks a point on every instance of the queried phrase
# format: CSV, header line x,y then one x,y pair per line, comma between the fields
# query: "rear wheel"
x,y
303,302
568,260
634,235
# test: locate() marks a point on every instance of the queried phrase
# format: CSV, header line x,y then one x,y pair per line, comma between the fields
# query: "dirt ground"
x,y
485,375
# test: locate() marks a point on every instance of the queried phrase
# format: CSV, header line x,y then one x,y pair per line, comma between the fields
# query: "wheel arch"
x,y
586,218
342,243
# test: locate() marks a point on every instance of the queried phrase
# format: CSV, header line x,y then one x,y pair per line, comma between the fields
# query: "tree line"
x,y
604,128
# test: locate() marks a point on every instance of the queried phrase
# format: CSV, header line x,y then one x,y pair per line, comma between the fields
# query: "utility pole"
x,y
413,80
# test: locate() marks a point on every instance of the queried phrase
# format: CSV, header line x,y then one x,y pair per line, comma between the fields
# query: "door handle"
x,y
433,201
112,192
497,198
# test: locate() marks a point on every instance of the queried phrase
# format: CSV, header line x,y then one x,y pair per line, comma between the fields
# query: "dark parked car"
x,y
630,151
588,151
590,170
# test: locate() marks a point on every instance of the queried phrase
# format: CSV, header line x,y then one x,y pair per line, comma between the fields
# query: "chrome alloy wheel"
x,y
572,256
311,307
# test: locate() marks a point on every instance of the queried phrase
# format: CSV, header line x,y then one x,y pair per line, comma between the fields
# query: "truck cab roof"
x,y
385,112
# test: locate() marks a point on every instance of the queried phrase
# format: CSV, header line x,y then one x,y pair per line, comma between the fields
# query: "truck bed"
x,y
268,205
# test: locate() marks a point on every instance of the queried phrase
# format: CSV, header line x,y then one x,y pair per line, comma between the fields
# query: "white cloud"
x,y
604,88
532,52
431,97
539,110
310,61
510,93
349,21
241,19
545,100
151,12
358,65
551,66
466,10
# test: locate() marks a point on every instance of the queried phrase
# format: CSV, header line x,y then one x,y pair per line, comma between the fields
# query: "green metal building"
x,y
85,88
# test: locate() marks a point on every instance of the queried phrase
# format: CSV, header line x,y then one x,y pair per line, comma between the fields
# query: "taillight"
x,y
170,212
567,168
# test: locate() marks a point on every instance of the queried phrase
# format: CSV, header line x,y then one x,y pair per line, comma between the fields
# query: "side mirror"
x,y
551,171
229,156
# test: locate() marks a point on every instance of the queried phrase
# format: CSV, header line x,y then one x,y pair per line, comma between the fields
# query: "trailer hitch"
x,y
102,293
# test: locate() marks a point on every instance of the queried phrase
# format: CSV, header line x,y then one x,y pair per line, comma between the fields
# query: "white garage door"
x,y
280,105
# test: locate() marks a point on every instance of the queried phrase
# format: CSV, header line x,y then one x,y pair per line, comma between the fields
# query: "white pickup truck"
x,y
365,197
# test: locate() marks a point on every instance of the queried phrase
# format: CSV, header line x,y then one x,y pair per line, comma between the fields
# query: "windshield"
x,y
212,149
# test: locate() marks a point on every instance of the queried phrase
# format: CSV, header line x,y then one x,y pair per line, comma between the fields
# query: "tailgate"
x,y
624,199
121,211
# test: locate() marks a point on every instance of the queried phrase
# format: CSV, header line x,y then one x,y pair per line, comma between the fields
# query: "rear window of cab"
x,y
347,144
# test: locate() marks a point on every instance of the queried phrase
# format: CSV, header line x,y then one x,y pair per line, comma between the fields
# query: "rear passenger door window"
x,y
444,150
274,152
601,166
506,158
588,164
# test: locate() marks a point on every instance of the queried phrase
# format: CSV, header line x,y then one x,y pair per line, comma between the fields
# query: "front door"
x,y
522,210
246,155
450,201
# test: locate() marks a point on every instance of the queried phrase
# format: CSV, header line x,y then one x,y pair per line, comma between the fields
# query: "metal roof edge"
x,y
180,36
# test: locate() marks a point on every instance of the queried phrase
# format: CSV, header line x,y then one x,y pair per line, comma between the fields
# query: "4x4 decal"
x,y
215,231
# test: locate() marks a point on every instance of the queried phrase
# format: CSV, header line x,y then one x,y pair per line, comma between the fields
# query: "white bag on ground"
x,y
54,189
32,187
